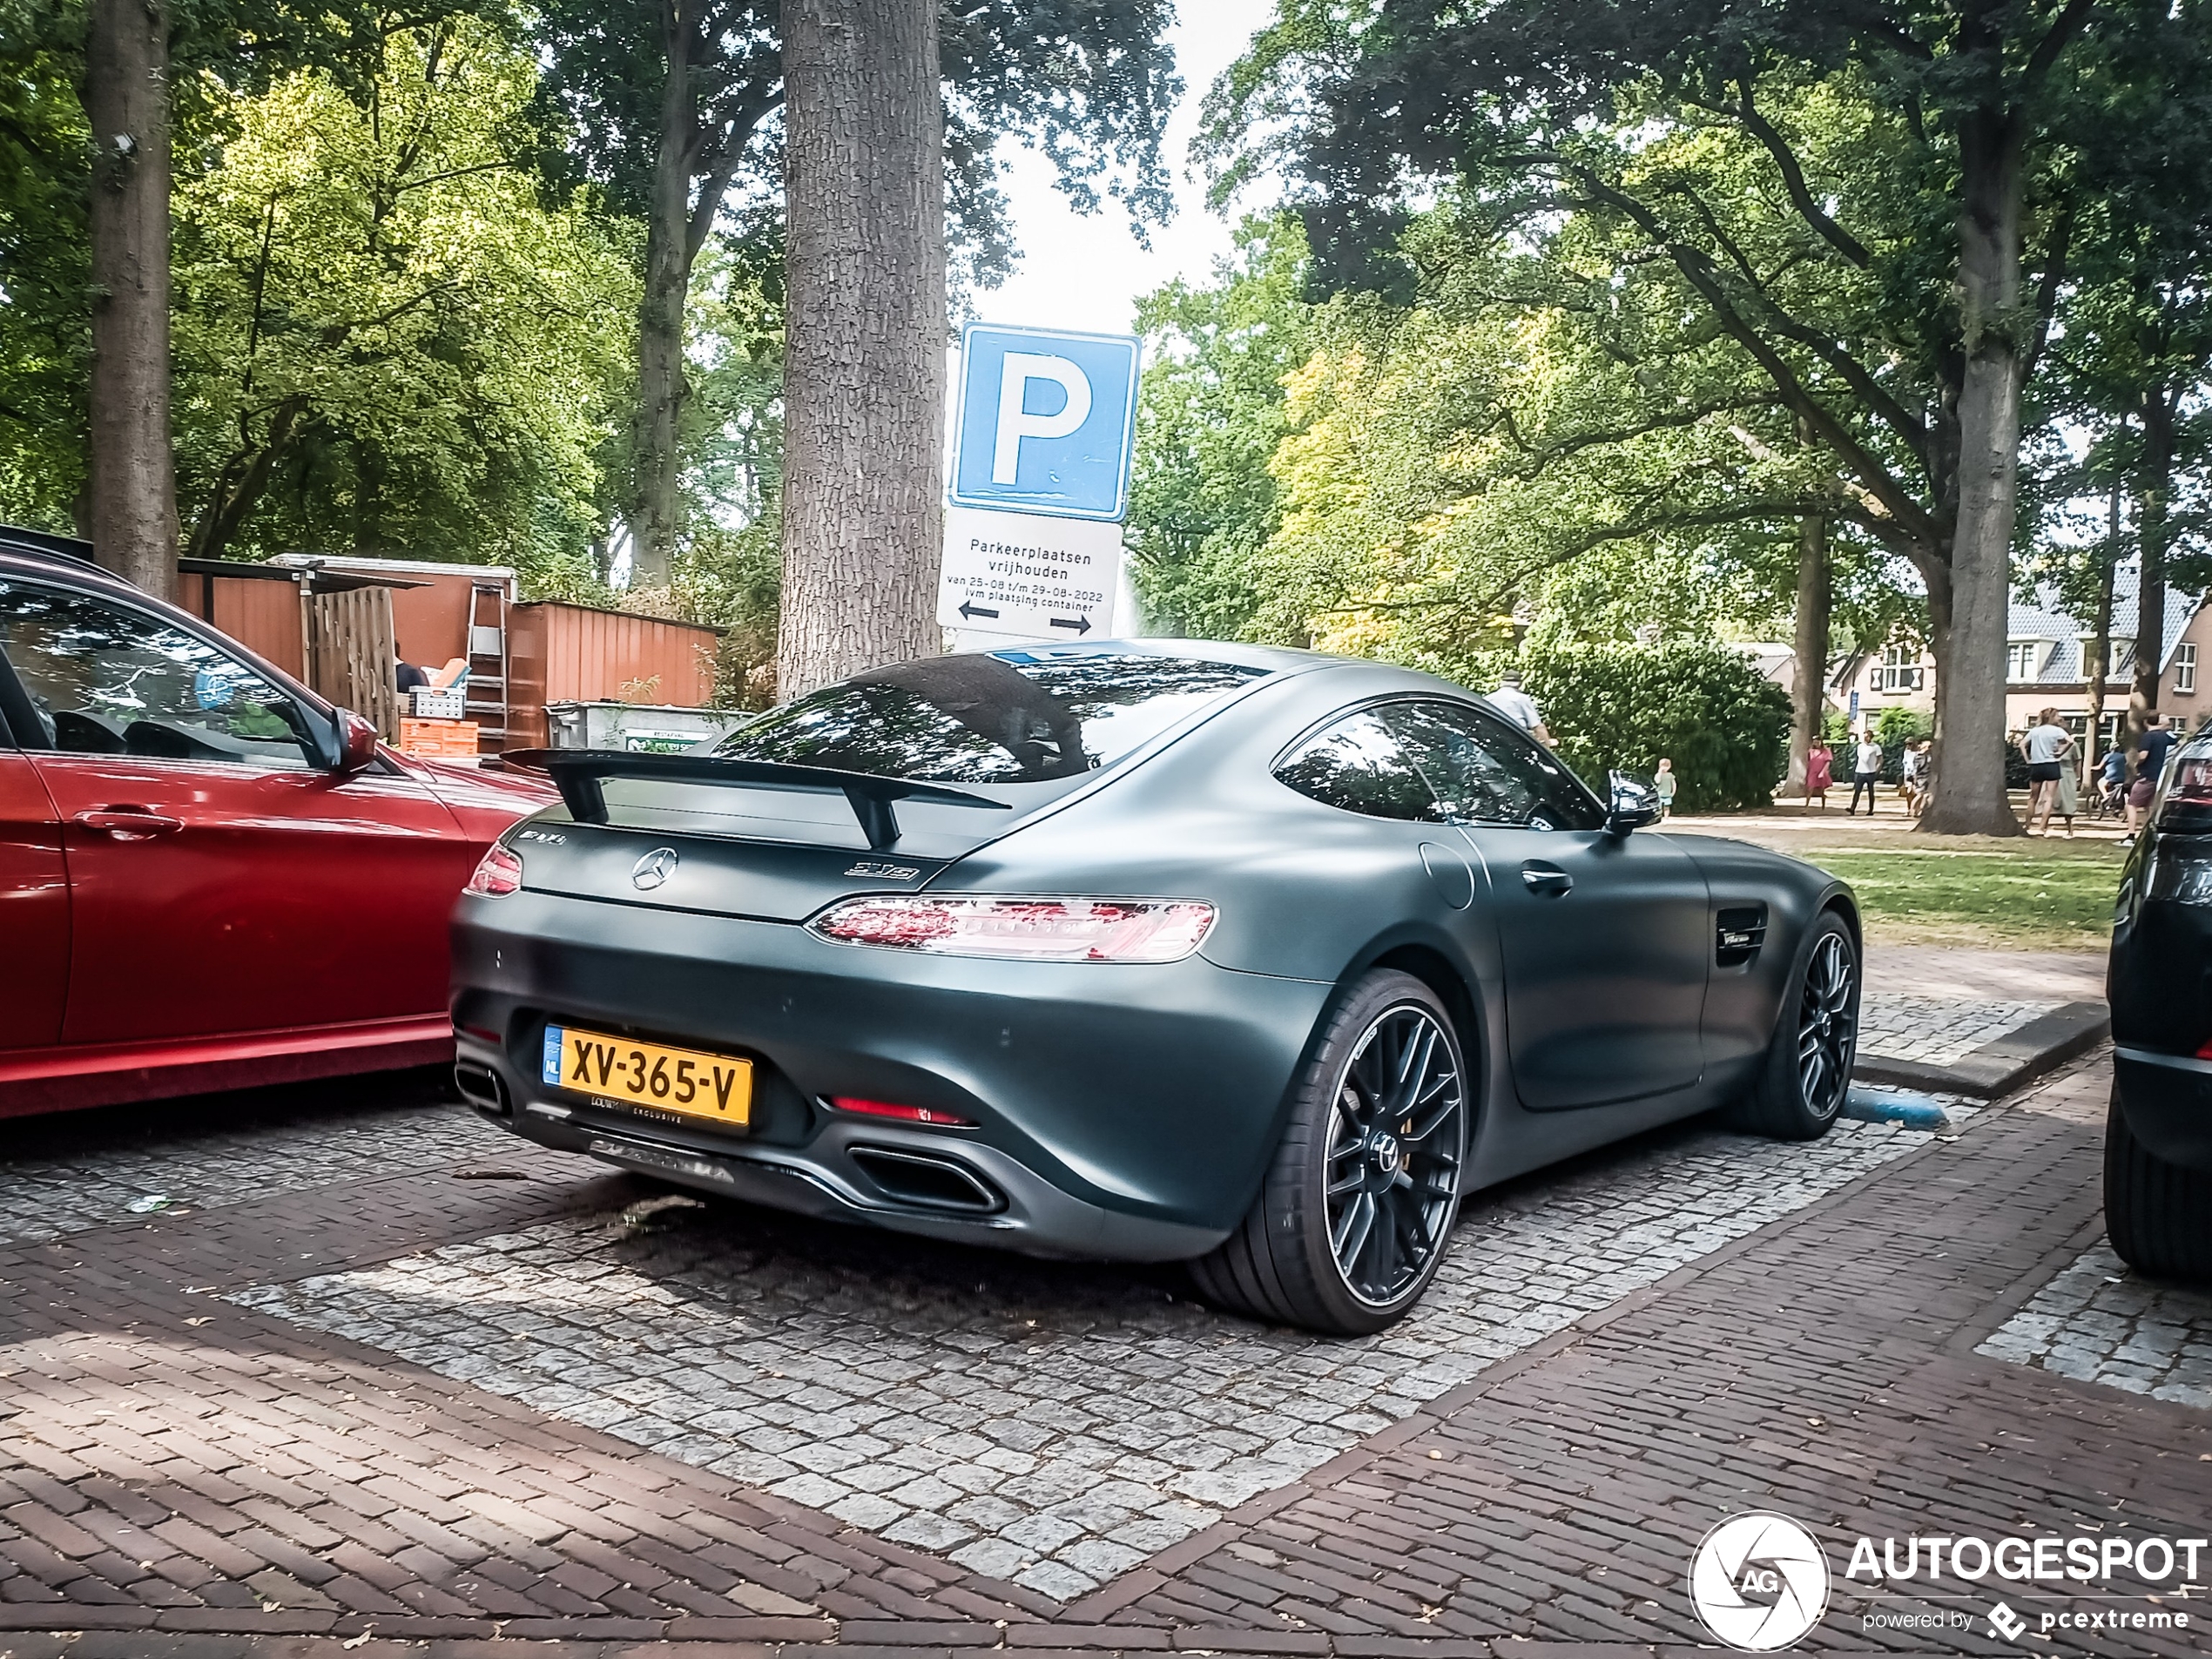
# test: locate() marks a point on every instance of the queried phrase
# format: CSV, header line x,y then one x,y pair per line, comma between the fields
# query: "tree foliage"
x,y
1703,706
1211,416
385,343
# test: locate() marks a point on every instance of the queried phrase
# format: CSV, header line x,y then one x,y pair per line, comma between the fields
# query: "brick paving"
x,y
1049,1425
53,1182
183,1475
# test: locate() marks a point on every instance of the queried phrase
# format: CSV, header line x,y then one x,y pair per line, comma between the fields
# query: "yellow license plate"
x,y
683,1080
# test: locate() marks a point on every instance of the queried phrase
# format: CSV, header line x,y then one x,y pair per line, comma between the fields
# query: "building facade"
x,y
2047,665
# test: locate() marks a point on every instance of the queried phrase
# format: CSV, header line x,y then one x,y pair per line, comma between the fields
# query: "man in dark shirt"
x,y
2151,750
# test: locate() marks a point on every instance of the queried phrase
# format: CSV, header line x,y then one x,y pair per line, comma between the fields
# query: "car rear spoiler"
x,y
578,774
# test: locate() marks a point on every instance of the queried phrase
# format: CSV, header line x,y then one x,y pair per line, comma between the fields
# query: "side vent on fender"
x,y
1738,935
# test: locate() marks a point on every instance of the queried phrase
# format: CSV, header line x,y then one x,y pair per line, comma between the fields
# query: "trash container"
x,y
653,728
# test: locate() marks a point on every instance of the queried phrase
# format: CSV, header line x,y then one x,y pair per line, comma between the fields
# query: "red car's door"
x,y
33,910
222,879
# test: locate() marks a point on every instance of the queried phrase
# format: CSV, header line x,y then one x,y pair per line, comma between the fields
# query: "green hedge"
x,y
1725,725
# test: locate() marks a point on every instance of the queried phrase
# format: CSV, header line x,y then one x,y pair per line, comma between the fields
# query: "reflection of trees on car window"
x,y
1359,764
1035,729
1484,772
1014,716
111,681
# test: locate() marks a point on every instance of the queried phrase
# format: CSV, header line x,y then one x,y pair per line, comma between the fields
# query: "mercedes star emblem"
x,y
653,869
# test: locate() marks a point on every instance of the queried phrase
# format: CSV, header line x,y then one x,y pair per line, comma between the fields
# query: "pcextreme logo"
x,y
1759,1582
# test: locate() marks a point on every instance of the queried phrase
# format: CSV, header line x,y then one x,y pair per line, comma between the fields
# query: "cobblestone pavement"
x,y
2100,1322
1937,1031
1047,1426
54,1183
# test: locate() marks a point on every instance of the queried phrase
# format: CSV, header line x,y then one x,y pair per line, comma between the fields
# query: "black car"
x,y
1155,950
2158,1132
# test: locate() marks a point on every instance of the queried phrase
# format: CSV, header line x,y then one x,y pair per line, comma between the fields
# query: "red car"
x,y
209,877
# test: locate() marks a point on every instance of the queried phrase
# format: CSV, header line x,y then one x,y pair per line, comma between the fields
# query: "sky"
x,y
1085,272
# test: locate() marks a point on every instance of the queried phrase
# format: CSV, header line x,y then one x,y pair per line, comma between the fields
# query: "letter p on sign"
x,y
1045,422
1017,370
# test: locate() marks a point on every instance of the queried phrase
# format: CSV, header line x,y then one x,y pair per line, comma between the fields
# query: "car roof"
x,y
43,547
1276,659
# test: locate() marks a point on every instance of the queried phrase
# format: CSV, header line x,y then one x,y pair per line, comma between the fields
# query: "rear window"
x,y
994,717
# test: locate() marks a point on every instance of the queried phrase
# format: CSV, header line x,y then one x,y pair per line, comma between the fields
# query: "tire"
x,y
2158,1215
1383,1102
1802,1084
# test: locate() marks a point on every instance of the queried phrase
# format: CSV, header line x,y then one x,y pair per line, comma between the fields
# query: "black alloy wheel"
x,y
1800,1089
1827,1025
1355,1212
1395,1145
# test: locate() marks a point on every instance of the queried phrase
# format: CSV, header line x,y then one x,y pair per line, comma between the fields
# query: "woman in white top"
x,y
2045,746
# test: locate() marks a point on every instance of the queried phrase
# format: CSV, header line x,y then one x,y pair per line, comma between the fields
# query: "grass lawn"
x,y
2046,894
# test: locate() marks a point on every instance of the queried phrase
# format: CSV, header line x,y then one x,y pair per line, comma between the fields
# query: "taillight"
x,y
498,873
2186,804
900,1114
1023,929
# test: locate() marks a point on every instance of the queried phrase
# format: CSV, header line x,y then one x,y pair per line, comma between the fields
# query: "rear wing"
x,y
578,773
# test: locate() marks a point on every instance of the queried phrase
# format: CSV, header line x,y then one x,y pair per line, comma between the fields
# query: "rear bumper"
x,y
2167,1100
1120,1112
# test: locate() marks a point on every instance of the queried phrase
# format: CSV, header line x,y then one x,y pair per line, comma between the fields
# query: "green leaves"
x,y
383,340
1704,706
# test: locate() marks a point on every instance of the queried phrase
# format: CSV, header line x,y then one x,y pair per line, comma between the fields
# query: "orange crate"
x,y
445,739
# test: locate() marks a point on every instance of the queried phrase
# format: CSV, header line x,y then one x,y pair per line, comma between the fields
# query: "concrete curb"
x,y
1997,1068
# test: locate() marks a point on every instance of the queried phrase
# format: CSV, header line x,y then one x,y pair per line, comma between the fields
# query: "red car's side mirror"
x,y
356,743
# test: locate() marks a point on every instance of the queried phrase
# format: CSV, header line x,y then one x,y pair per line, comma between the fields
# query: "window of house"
x,y
1900,669
2020,662
2185,668
2120,659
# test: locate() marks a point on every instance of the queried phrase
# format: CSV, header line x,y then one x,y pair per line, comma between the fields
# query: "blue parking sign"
x,y
1047,421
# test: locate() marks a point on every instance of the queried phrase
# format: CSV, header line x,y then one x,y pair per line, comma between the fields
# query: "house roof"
x,y
2047,620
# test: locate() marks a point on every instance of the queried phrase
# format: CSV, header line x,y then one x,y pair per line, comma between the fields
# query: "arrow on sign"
x,y
1073,624
973,611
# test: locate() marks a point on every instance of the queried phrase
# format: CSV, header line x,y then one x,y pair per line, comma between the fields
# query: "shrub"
x,y
1725,725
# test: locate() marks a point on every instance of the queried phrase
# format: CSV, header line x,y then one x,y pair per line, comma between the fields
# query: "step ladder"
x,y
487,665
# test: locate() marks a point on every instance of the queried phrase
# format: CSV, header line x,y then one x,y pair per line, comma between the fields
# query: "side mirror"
x,y
356,743
1634,805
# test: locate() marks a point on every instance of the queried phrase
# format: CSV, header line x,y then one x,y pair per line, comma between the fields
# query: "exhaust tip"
x,y
483,1088
926,1182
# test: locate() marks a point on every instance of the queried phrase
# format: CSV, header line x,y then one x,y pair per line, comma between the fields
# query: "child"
x,y
1665,783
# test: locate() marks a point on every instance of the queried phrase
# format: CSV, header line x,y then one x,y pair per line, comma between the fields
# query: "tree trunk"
x,y
2099,669
2153,527
864,194
1816,604
132,483
657,512
1969,794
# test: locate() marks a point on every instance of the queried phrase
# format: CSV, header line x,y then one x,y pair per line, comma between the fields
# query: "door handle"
x,y
1545,880
128,823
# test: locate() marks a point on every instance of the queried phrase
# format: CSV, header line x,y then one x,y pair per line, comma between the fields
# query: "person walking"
x,y
2151,750
1664,782
1866,771
1518,707
2044,746
1820,772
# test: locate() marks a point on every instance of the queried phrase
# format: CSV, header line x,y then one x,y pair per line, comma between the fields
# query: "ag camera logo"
x,y
1759,1581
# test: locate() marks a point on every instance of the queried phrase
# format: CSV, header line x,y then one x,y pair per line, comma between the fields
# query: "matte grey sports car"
x,y
1154,950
